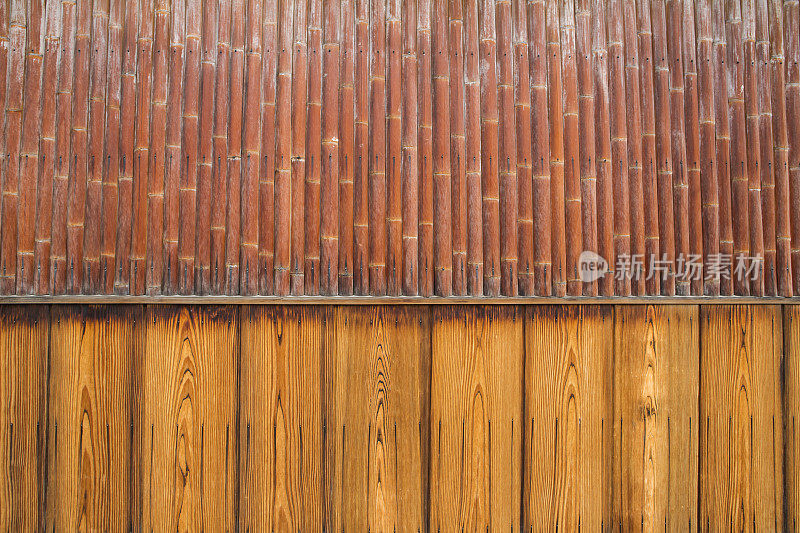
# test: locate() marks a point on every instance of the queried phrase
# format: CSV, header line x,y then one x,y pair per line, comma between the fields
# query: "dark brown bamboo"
x,y
283,150
361,157
219,189
540,149
767,169
410,154
347,159
394,154
313,150
458,148
299,125
602,118
10,85
791,37
329,186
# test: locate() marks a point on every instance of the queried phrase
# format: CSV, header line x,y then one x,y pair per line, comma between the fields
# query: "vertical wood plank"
x,y
377,378
92,393
23,414
656,394
568,409
791,410
280,424
475,421
741,443
188,418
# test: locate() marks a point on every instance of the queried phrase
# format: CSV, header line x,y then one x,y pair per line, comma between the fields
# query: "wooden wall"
x,y
408,418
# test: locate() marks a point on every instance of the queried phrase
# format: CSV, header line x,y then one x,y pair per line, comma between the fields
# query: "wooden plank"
x,y
741,471
188,418
476,418
377,371
23,415
568,410
656,394
280,424
92,392
791,412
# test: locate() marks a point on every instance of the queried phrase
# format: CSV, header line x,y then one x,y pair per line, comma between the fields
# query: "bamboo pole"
x,y
522,106
780,147
739,161
572,156
540,149
394,149
9,86
311,212
219,187
361,176
298,143
206,144
490,188
680,23
767,170
458,148
723,143
179,131
283,149
605,185
329,187
410,154
251,144
557,167
347,160
623,206
472,96
586,135
791,17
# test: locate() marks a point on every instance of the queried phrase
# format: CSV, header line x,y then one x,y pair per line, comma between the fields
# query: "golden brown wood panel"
x,y
377,378
188,405
92,391
791,410
280,421
23,415
741,444
656,380
568,365
476,417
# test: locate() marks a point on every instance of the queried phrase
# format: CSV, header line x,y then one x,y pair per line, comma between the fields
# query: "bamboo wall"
x,y
410,418
425,147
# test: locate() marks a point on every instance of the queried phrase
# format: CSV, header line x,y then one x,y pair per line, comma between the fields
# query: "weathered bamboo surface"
x,y
387,147
399,418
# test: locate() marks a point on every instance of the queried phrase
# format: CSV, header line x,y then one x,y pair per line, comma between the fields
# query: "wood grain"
x,y
476,417
568,418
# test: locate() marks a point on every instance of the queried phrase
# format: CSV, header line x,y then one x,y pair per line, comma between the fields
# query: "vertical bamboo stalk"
x,y
661,86
178,133
557,167
780,144
7,85
791,17
623,215
283,150
186,261
311,203
235,152
751,106
347,160
141,153
680,187
458,148
29,148
739,164
540,149
394,155
377,150
154,258
586,134
764,96
127,134
410,176
723,142
572,156
206,143
425,144
362,143
442,226
605,184
692,139
266,183
507,151
639,120
522,106
329,224
251,141
47,146
472,97
708,168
